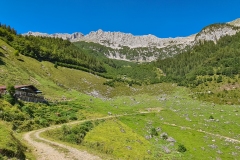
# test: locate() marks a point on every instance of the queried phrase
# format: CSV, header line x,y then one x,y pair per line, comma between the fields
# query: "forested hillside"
x,y
139,54
64,53
54,50
210,69
205,58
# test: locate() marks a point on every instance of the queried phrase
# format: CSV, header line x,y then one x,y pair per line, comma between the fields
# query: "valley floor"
x,y
47,149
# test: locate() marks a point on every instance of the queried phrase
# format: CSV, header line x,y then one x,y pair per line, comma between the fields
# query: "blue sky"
x,y
163,18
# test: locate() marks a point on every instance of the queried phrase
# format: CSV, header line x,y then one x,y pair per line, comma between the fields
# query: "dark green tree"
x,y
10,96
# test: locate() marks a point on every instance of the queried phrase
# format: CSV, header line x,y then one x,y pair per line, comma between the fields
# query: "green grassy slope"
x,y
59,82
114,137
10,146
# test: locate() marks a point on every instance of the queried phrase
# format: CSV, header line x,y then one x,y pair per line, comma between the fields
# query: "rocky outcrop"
x,y
215,32
118,39
65,36
235,22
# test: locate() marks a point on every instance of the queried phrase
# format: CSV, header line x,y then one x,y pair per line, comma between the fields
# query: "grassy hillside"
x,y
10,146
60,82
65,54
114,137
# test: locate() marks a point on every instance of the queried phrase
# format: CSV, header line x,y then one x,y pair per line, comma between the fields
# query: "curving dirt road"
x,y
45,149
48,150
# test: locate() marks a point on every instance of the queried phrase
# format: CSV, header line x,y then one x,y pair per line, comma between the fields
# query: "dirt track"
x,y
48,150
45,149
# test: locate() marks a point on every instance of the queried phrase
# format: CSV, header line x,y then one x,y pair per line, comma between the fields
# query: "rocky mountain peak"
x,y
146,45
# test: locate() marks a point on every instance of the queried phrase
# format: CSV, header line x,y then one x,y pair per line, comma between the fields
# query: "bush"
x,y
9,99
211,117
76,133
219,79
154,132
55,65
164,136
181,148
16,53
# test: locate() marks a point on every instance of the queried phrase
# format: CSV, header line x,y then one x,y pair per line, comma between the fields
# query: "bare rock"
x,y
166,149
147,137
170,139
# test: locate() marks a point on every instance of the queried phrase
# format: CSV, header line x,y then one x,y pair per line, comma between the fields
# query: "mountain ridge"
x,y
156,46
116,38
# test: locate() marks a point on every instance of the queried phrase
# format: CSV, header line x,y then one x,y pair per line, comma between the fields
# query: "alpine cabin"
x,y
27,93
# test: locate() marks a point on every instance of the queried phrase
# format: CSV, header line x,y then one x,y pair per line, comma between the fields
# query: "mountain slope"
x,y
146,48
210,69
215,31
61,83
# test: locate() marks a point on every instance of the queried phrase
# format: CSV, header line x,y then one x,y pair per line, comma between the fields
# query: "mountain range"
x,y
146,48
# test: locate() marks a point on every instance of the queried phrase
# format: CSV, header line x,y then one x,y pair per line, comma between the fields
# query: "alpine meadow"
x,y
112,95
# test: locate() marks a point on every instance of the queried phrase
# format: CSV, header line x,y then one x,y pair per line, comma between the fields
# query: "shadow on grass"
x,y
1,62
1,55
20,60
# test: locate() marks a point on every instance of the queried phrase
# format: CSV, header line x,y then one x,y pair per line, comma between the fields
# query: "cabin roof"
x,y
2,87
23,87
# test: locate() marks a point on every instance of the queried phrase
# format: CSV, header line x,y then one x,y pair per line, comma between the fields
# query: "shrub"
x,y
56,65
77,133
9,99
16,53
164,137
211,117
154,132
181,148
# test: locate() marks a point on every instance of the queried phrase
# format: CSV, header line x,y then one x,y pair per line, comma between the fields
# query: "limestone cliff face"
x,y
65,36
118,39
148,47
215,32
235,22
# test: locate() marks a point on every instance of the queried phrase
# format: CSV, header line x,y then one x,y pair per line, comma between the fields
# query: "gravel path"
x,y
49,150
45,149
